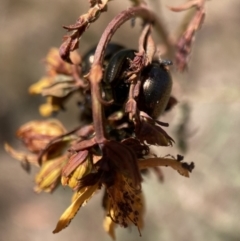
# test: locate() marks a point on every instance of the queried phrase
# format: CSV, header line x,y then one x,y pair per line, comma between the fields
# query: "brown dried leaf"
x,y
152,134
124,158
71,41
139,148
182,167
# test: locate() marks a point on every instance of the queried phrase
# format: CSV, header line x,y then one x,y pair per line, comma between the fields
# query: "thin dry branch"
x,y
185,41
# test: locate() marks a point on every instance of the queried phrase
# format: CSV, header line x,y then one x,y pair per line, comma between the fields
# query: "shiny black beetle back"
x,y
155,90
87,59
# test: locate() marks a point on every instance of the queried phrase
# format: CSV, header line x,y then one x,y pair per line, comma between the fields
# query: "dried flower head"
x,y
111,150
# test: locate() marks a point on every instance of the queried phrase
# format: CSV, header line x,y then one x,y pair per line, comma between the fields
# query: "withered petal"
x,y
182,167
49,174
23,157
124,158
83,145
64,50
125,204
90,179
74,161
60,90
37,87
152,134
139,148
72,210
85,131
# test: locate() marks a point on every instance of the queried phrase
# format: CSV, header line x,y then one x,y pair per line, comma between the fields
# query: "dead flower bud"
x,y
55,64
37,134
49,175
118,171
61,80
78,166
56,92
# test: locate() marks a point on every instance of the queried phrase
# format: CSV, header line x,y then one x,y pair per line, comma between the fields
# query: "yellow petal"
x,y
81,171
72,210
109,227
74,196
47,183
50,172
39,86
48,109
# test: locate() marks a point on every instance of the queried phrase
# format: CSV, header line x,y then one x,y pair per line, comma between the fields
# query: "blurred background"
x,y
205,206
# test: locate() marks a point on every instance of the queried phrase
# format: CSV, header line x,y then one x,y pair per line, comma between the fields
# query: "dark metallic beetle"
x,y
87,61
156,80
88,58
156,83
155,89
114,81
